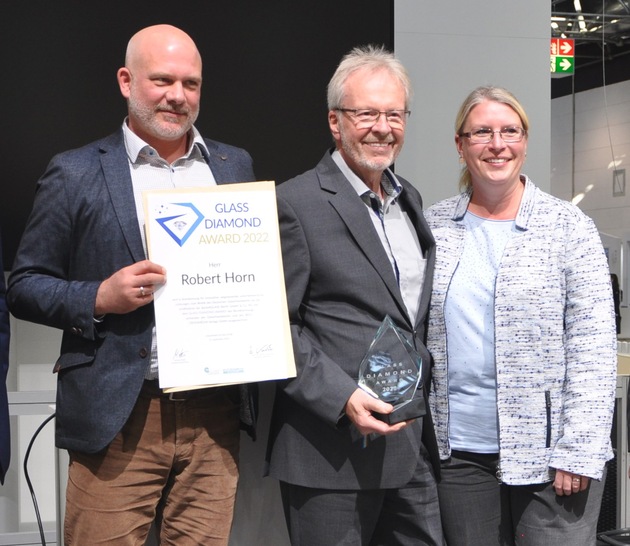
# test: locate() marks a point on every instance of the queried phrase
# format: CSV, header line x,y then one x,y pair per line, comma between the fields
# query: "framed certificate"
x,y
221,318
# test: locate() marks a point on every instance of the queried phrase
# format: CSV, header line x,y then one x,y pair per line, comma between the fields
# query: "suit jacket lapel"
x,y
221,167
115,166
355,215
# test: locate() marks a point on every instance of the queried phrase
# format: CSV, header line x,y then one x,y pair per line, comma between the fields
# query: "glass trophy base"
x,y
411,409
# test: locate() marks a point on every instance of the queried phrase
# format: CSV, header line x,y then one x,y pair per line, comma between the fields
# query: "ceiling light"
x,y
581,22
577,198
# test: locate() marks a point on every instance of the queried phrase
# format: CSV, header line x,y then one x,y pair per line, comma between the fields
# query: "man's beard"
x,y
148,118
353,149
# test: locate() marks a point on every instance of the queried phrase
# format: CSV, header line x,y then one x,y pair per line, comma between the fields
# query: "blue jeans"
x,y
479,511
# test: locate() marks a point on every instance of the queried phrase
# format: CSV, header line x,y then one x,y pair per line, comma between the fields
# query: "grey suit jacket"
x,y
340,285
83,228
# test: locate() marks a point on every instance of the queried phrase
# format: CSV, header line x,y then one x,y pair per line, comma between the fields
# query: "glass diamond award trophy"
x,y
392,371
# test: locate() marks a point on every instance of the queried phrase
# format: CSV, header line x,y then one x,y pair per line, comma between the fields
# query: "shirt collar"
x,y
391,186
137,147
525,209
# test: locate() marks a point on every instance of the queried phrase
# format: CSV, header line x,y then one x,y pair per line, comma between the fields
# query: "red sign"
x,y
562,47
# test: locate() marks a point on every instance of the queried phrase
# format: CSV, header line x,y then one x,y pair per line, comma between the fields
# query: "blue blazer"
x,y
5,433
82,229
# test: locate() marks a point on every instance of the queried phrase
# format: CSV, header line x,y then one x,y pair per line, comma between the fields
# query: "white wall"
x,y
449,49
582,166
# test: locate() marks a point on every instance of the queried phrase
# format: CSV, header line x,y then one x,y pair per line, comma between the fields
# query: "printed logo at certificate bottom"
x,y
179,220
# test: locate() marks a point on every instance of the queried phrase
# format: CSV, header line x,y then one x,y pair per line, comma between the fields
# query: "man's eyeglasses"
x,y
483,135
366,117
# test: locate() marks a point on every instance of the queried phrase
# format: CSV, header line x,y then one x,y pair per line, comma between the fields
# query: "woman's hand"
x,y
567,483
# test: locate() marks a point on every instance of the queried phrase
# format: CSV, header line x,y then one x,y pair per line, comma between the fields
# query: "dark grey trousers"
x,y
408,516
479,511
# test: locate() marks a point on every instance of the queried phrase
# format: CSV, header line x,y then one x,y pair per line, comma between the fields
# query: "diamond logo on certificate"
x,y
391,371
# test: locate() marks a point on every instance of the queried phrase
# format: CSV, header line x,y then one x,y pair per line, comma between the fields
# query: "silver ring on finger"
x,y
142,293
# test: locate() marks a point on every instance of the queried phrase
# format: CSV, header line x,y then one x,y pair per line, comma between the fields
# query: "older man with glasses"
x,y
356,251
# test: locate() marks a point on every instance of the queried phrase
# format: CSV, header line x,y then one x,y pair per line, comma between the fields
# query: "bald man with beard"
x,y
136,454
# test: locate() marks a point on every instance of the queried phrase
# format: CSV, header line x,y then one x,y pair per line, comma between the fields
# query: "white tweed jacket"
x,y
555,340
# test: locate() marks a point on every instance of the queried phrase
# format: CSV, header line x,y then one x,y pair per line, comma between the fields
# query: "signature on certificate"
x,y
180,355
265,349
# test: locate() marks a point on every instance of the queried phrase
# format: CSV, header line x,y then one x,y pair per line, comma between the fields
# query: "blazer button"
x,y
143,352
76,331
